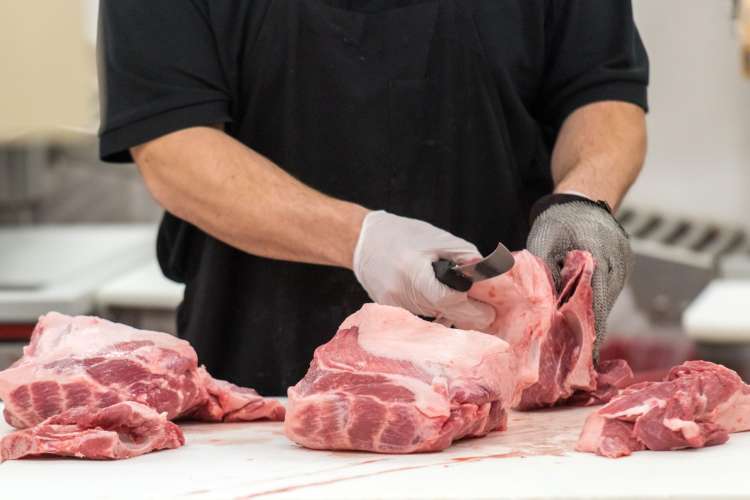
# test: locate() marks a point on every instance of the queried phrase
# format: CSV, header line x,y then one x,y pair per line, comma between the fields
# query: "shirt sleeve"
x,y
593,52
159,72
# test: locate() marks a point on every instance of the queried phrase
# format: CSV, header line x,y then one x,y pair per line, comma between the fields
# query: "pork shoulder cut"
x,y
698,404
390,382
87,362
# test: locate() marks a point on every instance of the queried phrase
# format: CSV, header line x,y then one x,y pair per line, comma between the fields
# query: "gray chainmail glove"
x,y
569,222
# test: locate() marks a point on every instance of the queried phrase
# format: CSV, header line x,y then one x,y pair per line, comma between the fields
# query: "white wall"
x,y
91,13
699,124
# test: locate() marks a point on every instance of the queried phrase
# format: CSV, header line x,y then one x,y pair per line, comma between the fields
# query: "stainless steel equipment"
x,y
60,268
676,257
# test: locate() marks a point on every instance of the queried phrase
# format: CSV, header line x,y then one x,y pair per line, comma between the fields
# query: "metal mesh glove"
x,y
393,262
583,225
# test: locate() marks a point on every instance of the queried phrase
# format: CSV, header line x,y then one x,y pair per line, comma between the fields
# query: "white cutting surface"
x,y
533,459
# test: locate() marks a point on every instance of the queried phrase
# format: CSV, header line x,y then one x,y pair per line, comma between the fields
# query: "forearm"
x,y
600,151
241,198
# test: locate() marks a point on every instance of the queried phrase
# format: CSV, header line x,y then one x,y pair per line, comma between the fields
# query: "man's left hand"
x,y
583,225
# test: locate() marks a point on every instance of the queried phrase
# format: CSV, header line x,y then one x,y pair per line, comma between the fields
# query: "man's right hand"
x,y
393,262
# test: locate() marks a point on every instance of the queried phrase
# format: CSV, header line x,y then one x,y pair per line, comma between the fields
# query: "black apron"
x,y
389,104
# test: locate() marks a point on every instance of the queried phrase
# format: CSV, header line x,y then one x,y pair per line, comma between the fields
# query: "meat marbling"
x,y
88,362
123,430
698,404
551,336
390,382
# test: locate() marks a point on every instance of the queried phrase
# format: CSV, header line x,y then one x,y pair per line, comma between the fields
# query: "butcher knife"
x,y
461,277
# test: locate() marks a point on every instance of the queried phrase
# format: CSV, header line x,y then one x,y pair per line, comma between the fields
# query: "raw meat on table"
x,y
698,404
611,376
552,337
122,430
88,362
390,382
231,403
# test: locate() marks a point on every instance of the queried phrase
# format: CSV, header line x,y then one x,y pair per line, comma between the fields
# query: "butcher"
x,y
313,155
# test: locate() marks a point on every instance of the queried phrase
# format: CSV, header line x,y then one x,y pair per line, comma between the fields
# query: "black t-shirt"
x,y
166,66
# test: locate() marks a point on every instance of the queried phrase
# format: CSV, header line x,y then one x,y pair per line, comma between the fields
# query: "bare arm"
x,y
206,177
600,151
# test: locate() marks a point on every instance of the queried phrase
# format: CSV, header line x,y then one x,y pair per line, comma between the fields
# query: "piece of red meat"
x,y
230,403
698,404
611,376
551,336
390,382
123,430
88,362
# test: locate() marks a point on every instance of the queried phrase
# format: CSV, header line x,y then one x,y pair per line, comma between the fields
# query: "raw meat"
x,y
611,375
85,361
390,382
122,430
697,405
230,403
551,336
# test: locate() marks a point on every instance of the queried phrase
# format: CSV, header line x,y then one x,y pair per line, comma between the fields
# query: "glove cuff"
x,y
549,200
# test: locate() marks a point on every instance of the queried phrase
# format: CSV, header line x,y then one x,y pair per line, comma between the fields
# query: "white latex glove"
x,y
393,262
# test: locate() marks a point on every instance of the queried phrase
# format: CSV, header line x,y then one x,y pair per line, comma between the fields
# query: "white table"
x,y
60,267
533,459
143,287
142,298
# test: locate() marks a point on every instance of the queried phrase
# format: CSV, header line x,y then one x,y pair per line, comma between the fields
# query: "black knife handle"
x,y
449,277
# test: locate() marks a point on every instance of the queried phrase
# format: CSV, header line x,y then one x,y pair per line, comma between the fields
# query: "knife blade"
x,y
461,277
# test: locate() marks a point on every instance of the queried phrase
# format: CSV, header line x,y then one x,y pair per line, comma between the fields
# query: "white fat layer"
x,y
82,336
396,334
642,408
688,428
591,433
734,413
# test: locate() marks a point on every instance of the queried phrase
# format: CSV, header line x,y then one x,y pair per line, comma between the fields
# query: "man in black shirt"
x,y
312,155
